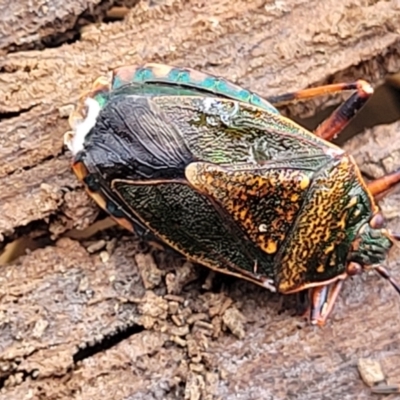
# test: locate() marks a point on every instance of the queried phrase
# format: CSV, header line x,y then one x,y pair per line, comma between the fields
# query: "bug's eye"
x,y
377,221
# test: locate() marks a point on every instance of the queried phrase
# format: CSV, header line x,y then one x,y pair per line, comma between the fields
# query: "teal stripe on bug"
x,y
184,77
144,74
188,78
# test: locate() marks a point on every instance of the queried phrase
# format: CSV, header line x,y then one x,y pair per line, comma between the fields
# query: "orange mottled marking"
x,y
264,202
321,226
305,182
272,247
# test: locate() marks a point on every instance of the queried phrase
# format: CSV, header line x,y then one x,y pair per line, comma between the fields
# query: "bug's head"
x,y
371,247
84,115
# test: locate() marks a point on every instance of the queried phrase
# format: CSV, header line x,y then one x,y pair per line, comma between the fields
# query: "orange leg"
x,y
381,185
323,298
322,301
332,126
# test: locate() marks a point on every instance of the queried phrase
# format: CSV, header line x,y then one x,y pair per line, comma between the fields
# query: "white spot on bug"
x,y
209,104
75,140
262,228
218,111
269,284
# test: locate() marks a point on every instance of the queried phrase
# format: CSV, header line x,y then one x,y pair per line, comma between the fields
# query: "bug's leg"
x,y
322,301
323,298
381,185
385,274
333,125
303,304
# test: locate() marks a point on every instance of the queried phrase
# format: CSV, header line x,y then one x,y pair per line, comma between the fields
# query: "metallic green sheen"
x,y
223,240
225,132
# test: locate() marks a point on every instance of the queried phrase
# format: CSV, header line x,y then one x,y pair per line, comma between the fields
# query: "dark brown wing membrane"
x,y
136,138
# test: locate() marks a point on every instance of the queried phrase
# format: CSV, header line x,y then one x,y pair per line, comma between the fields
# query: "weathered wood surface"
x,y
40,23
59,299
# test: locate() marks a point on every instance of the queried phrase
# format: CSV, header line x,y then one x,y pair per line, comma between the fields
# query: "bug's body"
x,y
218,174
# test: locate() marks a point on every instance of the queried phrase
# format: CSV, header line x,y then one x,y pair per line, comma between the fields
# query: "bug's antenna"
x,y
384,273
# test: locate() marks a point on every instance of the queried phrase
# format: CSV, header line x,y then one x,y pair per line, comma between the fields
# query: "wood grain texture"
x,y
76,325
27,25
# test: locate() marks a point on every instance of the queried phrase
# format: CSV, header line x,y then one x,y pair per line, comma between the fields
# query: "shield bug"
x,y
217,173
